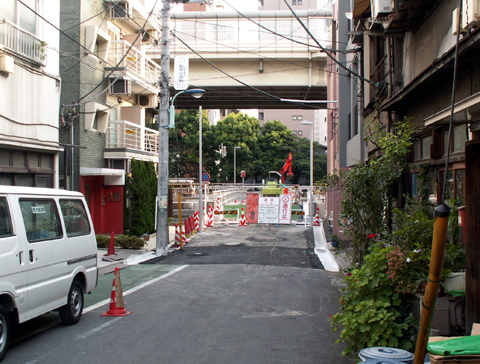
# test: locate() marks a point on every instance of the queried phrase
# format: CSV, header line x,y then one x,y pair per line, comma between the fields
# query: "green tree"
x,y
140,194
367,188
236,130
183,141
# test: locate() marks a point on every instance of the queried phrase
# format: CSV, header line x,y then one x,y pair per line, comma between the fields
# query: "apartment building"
x,y
30,93
109,99
408,53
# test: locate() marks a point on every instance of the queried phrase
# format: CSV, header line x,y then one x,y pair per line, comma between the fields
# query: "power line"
x,y
230,76
328,54
256,54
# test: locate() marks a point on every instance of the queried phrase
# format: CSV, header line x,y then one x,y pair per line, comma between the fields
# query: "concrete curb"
x,y
322,250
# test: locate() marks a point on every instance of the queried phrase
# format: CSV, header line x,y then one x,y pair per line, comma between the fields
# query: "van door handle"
x,y
20,254
30,255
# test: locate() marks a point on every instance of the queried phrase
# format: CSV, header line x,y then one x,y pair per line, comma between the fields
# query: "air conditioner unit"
x,y
148,101
470,16
120,87
381,7
121,10
150,36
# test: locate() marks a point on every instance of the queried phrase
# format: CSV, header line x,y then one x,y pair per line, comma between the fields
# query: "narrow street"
x,y
234,295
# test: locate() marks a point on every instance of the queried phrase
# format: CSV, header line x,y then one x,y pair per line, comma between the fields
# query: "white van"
x,y
48,256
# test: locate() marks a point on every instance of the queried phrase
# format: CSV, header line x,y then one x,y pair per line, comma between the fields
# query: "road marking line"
x,y
93,331
134,289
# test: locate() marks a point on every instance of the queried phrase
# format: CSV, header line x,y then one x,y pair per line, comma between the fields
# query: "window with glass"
x,y
421,148
300,132
460,137
455,185
21,14
6,228
41,219
75,217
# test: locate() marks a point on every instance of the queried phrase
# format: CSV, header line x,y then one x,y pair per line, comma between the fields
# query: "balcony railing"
x,y
227,33
23,43
135,61
123,134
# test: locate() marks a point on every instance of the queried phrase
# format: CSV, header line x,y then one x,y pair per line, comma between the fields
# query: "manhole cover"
x,y
265,238
198,254
233,243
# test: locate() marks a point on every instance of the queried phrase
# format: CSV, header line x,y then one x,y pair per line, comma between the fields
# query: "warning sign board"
x,y
268,210
285,216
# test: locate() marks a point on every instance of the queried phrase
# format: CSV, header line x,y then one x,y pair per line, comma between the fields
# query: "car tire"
x,y
4,331
71,313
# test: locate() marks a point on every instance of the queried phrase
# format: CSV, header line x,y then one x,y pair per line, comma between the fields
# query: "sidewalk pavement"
x,y
334,261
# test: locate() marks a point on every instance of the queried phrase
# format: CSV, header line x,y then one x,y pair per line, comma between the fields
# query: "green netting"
x,y
467,345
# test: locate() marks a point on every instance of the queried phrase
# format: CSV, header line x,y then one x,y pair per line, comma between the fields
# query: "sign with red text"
x,y
285,214
268,210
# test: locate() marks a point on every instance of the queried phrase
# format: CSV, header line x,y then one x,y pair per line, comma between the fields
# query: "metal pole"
x,y
440,227
311,175
180,219
200,170
162,192
234,165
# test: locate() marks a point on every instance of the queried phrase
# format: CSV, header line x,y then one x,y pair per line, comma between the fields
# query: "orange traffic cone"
x,y
117,306
176,244
243,220
184,236
316,220
210,216
111,247
197,221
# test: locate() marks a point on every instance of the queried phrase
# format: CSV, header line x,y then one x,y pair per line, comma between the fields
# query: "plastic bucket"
x,y
386,355
376,361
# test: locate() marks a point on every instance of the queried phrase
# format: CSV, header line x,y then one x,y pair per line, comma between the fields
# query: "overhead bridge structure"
x,y
259,60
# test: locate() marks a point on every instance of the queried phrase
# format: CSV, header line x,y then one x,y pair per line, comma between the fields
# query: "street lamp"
x,y
178,165
235,164
194,92
305,122
162,190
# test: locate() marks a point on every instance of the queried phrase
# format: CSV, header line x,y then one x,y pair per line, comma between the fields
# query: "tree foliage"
x,y
368,188
262,149
140,194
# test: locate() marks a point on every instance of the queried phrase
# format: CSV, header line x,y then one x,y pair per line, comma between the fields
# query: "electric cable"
x,y
272,31
253,53
454,84
76,42
232,77
328,54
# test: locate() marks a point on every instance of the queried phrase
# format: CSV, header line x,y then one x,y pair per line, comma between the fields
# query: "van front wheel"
x,y
4,331
71,313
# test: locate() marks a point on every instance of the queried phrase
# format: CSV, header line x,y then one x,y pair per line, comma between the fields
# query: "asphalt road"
x,y
234,295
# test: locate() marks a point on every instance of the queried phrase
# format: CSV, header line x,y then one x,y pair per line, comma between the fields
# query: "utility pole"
x,y
163,121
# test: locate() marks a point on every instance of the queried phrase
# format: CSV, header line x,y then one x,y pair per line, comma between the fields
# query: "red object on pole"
x,y
187,228
192,225
111,246
117,306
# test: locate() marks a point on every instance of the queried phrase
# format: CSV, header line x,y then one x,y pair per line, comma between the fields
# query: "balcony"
x,y
131,15
22,43
125,139
136,66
